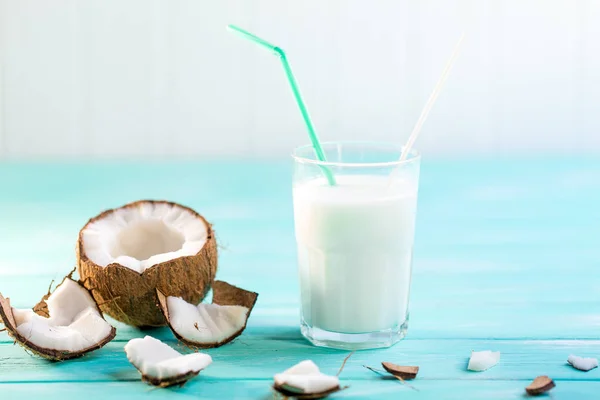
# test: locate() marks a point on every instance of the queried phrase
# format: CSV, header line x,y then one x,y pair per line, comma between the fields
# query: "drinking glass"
x,y
355,242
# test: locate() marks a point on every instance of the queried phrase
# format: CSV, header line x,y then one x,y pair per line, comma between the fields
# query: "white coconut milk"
x,y
355,245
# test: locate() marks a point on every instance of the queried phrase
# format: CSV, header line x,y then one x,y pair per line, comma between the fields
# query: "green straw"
x,y
278,51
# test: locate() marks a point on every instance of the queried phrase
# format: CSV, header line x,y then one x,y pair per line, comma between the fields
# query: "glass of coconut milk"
x,y
355,242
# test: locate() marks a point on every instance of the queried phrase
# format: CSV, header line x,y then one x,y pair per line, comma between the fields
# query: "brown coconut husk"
x,y
10,324
130,297
41,308
401,371
283,390
540,385
224,294
171,381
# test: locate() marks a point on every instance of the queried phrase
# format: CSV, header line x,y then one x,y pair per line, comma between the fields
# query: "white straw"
x,y
436,91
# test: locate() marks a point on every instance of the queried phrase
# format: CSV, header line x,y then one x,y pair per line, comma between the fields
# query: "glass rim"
x,y
413,156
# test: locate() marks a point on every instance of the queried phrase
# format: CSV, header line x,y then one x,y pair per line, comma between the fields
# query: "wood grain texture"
x,y
505,259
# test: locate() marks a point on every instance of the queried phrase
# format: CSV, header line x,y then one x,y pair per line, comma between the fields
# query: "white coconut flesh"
x,y
205,323
157,360
74,323
483,360
145,235
305,377
583,363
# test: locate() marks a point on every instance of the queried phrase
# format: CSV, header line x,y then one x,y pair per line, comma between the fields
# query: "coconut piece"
x,y
540,385
401,371
482,360
209,325
161,365
125,254
305,381
582,363
68,326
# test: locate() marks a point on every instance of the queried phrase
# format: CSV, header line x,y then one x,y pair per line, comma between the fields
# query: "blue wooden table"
x,y
507,258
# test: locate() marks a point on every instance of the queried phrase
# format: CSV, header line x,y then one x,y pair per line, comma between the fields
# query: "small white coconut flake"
x,y
582,363
143,236
159,362
483,360
305,377
205,323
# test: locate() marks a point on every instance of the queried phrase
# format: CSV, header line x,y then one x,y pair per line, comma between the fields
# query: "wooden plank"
x,y
260,354
379,389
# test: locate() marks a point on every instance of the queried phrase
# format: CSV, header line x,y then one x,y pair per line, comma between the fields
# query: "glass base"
x,y
354,341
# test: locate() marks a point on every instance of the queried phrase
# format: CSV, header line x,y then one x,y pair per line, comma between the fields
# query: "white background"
x,y
164,78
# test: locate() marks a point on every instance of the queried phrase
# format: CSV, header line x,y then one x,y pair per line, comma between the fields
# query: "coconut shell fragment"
x,y
128,294
287,391
209,325
171,381
90,314
161,365
401,371
541,384
305,381
225,294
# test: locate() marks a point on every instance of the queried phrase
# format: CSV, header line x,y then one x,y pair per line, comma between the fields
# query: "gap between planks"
x,y
269,379
432,339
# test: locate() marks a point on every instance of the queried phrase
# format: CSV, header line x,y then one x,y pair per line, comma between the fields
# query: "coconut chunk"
x,y
161,365
73,325
305,380
125,254
205,323
541,384
582,363
401,371
483,360
209,325
145,235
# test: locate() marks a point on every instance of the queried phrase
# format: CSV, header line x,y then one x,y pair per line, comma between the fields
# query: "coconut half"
x,y
305,381
66,324
209,325
161,365
125,254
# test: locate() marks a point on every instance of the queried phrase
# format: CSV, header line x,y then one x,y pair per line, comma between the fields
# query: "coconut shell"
x,y
41,308
401,371
130,297
172,381
540,385
306,396
224,294
10,324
